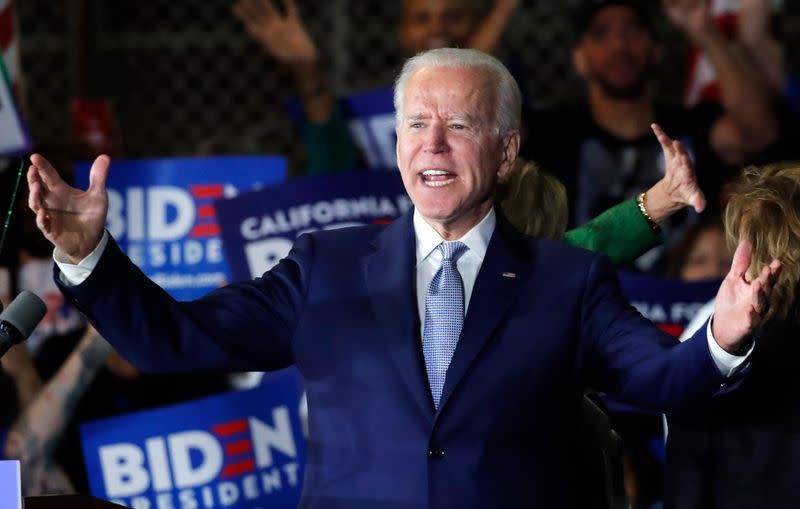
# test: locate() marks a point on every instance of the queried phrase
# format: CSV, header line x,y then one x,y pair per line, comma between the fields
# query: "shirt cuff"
x,y
727,364
72,275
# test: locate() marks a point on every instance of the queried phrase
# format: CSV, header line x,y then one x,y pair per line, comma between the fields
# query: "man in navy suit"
x,y
444,355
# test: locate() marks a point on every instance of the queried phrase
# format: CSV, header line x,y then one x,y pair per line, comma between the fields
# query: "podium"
x,y
67,502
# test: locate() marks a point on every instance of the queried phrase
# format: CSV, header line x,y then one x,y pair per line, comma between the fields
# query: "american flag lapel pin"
x,y
510,275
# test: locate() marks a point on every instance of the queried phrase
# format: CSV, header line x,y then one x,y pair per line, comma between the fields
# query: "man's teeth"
x,y
434,173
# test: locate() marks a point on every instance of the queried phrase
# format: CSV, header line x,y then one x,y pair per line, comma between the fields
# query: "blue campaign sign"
x,y
669,303
259,228
161,212
238,450
10,485
371,120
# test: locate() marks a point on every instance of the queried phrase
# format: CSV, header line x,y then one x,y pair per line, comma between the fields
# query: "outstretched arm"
x,y
35,434
750,123
623,232
285,38
490,30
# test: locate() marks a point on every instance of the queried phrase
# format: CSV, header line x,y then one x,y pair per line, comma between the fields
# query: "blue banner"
x,y
238,450
669,303
10,489
370,120
259,228
161,212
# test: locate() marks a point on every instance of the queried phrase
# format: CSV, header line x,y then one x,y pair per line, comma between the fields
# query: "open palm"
x,y
73,220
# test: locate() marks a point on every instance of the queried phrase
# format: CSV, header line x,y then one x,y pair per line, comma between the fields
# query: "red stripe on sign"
x,y
205,211
206,191
6,26
240,447
230,428
241,467
205,230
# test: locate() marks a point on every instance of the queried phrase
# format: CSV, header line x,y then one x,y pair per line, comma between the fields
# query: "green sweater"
x,y
620,233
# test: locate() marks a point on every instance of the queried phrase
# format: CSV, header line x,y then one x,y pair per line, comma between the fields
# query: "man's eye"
x,y
458,127
415,125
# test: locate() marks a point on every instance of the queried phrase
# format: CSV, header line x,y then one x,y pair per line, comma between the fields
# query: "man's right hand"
x,y
73,220
283,37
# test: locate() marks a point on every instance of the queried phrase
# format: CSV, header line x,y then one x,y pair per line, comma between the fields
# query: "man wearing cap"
x,y
602,148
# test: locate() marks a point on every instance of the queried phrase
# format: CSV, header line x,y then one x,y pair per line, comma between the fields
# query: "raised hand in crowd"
x,y
753,23
490,30
36,432
750,123
679,186
285,38
71,219
18,365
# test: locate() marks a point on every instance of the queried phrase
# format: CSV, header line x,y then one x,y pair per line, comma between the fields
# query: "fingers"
x,y
741,259
291,9
663,139
98,174
34,189
47,173
43,221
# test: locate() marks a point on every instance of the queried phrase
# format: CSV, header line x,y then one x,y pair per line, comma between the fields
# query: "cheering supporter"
x,y
39,428
601,148
742,450
424,24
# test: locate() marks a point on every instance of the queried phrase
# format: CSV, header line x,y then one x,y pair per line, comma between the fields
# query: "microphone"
x,y
19,319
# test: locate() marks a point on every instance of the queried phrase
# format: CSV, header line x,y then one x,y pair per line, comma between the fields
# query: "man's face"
x,y
430,24
448,149
616,52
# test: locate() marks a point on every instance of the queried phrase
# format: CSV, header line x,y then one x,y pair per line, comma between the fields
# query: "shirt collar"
x,y
476,239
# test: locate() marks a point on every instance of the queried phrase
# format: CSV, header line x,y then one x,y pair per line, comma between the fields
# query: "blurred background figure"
x,y
702,252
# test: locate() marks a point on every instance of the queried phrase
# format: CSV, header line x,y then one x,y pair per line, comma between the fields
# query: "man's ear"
x,y
579,61
510,146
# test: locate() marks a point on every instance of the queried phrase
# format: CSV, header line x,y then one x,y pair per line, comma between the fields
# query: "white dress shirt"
x,y
428,261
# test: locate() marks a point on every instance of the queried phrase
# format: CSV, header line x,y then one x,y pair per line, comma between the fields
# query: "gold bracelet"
x,y
640,202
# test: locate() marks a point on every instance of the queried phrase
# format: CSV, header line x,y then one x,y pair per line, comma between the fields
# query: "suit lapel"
x,y
503,272
389,273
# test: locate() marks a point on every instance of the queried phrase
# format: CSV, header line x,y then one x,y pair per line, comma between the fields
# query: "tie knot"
x,y
452,250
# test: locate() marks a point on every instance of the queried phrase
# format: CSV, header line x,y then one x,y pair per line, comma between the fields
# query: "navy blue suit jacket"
x,y
342,307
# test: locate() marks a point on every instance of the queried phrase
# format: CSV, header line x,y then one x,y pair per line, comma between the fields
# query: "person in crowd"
x,y
424,24
702,252
742,450
601,148
41,424
445,349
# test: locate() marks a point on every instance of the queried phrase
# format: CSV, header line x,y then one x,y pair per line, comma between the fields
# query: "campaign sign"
x,y
671,304
14,139
161,212
238,450
371,120
259,228
10,485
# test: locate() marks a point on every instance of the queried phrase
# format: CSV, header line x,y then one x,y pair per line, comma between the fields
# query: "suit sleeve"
x,y
242,326
631,359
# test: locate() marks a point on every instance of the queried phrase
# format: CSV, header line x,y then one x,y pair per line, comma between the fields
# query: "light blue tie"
x,y
444,317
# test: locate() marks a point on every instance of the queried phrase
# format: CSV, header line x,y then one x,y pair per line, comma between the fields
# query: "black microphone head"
x,y
24,313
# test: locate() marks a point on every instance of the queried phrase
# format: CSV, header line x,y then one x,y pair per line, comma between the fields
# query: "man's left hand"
x,y
741,303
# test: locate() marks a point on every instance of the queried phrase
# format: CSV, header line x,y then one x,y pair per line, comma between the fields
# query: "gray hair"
x,y
508,102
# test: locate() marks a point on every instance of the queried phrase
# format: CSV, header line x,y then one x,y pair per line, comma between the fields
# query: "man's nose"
x,y
436,139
